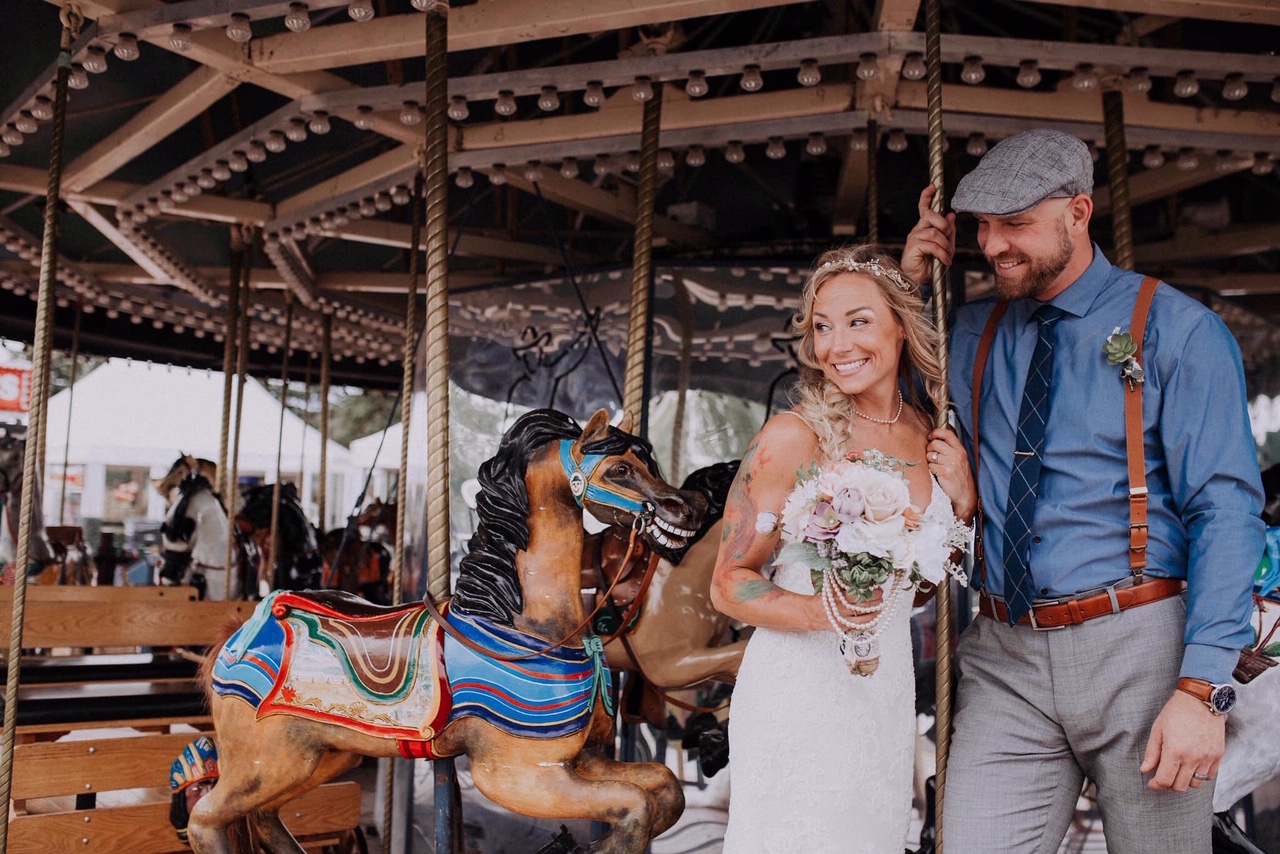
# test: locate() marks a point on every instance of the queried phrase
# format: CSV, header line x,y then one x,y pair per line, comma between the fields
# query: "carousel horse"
x,y
299,565
182,467
61,561
360,563
507,676
194,538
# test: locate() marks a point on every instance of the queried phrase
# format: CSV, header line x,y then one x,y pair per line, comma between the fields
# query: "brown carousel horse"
x,y
508,676
299,565
52,560
360,562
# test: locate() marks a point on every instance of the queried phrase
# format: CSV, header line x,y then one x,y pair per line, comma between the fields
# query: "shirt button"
x,y
1035,539
1044,591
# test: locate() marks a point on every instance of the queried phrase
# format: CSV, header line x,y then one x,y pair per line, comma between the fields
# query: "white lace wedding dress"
x,y
820,760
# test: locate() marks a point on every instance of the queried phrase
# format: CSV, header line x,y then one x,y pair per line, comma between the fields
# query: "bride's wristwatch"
x,y
1220,699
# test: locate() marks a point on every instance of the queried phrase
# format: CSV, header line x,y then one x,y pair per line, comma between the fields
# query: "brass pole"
x,y
873,186
1118,177
302,454
942,629
229,356
684,306
326,347
32,453
71,408
242,330
284,409
642,264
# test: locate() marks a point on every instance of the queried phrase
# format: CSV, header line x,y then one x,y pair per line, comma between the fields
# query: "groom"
x,y
1078,667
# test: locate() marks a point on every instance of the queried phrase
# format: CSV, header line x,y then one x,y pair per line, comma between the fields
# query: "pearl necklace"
x,y
861,650
893,420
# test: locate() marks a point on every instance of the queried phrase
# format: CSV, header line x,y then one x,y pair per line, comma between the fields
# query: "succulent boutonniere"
x,y
1121,349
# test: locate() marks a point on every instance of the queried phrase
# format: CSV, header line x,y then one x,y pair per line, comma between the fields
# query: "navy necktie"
x,y
1024,482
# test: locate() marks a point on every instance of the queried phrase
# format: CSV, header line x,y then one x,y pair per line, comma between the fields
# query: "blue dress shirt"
x,y
1205,491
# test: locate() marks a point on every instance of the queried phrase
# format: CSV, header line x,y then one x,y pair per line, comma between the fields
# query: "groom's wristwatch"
x,y
1220,699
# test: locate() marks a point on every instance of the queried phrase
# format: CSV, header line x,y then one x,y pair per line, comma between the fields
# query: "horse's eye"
x,y
620,470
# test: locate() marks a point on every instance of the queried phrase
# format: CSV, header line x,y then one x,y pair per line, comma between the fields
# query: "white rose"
x,y
931,550
796,510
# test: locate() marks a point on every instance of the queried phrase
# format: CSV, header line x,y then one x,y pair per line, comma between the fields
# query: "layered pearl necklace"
x,y
860,642
893,420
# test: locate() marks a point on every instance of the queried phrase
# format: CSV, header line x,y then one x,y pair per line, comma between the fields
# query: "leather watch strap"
x,y
1198,688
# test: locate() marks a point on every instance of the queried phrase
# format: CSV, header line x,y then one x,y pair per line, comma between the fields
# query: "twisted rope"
x,y
1118,176
233,485
33,451
873,186
633,400
284,408
229,357
71,408
326,347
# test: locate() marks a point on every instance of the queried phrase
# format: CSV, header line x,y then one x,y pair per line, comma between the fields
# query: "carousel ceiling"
x,y
192,121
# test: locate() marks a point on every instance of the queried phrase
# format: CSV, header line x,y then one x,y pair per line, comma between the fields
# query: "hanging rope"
x,y
326,347
71,408
284,409
633,398
873,183
1118,177
302,454
942,629
684,307
234,590
229,356
71,21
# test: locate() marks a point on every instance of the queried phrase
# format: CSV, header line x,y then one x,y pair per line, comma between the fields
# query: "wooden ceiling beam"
x,y
1236,11
397,234
1226,284
1192,244
1152,184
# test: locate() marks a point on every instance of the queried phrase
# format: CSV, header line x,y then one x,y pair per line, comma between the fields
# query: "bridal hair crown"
x,y
875,268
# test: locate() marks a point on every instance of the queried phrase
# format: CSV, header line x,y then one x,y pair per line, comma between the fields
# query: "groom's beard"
x,y
1039,273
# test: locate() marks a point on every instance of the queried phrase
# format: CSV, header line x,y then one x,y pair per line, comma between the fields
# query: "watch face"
x,y
1223,699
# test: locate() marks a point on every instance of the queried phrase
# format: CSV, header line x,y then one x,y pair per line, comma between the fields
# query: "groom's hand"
x,y
1186,739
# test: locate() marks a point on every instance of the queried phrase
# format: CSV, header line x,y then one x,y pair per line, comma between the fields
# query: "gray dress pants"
x,y
1037,712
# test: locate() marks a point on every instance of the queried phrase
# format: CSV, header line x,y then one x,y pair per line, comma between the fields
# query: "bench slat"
x,y
145,829
123,624
82,593
49,769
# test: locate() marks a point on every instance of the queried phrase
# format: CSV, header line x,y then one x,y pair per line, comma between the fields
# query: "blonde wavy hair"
x,y
816,399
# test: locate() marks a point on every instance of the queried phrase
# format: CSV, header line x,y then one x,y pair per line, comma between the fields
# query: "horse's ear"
x,y
597,428
627,421
191,463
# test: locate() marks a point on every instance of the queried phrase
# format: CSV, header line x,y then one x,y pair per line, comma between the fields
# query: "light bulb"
x,y
1186,85
319,123
858,140
180,36
364,117
776,149
1234,87
913,67
751,80
255,151
1138,80
165,202
816,145
977,145
868,67
150,207
569,167
238,161
206,181
221,171
239,28
897,142
1227,162
366,206
1262,164
632,162
12,136
340,218
1187,159
549,100
298,19
734,152
666,160
810,74
458,110
360,10
642,89
78,79
506,103
696,86
498,175
409,113
180,194
593,95
95,60
973,73
25,122
1028,74
603,165
42,108
1085,79
193,186
1152,157
382,202
296,130
696,156
533,172
465,179
276,142
126,48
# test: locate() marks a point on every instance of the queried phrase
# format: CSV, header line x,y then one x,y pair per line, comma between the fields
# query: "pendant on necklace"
x,y
861,653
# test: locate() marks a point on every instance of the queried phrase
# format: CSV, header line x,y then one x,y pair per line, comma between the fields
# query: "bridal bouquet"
x,y
852,523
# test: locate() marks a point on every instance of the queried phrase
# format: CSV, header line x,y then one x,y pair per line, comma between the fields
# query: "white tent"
x,y
130,414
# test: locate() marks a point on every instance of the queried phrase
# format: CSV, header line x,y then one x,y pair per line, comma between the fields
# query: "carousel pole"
x,y
633,400
241,332
1118,176
302,453
326,346
229,355
71,21
284,408
436,339
933,64
873,186
71,408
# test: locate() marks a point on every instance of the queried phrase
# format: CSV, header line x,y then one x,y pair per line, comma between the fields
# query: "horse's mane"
x,y
713,481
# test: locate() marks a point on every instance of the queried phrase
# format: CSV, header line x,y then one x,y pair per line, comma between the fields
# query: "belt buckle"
x,y
1039,628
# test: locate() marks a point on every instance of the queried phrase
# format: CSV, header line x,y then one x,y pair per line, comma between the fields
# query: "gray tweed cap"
x,y
1024,170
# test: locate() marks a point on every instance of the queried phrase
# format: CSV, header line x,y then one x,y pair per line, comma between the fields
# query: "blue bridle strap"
x,y
579,475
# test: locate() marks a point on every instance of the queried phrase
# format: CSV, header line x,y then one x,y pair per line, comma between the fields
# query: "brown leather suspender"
x,y
1134,450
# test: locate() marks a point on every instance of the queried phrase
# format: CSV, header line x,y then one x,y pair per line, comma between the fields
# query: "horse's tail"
x,y
205,674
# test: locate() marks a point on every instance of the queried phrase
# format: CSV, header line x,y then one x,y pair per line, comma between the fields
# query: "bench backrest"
x,y
122,623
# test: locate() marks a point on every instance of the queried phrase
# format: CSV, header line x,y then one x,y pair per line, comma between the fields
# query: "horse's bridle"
x,y
579,476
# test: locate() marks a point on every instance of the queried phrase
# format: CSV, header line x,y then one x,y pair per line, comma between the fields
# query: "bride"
x,y
821,757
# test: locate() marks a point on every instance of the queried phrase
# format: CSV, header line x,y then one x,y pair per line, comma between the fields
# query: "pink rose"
x,y
822,524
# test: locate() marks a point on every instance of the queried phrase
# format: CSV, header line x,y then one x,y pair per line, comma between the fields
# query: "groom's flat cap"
x,y
1022,171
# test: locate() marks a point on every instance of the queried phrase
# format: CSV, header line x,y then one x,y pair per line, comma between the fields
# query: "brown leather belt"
x,y
1073,612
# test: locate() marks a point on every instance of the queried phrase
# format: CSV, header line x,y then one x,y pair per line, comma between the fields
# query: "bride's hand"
x,y
822,622
949,463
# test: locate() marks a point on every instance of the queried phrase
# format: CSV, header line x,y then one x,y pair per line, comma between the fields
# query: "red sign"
x,y
15,389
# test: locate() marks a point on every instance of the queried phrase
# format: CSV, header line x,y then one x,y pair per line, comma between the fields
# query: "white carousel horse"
x,y
194,537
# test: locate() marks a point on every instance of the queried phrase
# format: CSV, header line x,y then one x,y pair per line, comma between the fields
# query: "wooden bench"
x,y
328,815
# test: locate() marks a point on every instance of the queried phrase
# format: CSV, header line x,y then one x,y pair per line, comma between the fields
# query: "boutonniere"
x,y
1121,349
